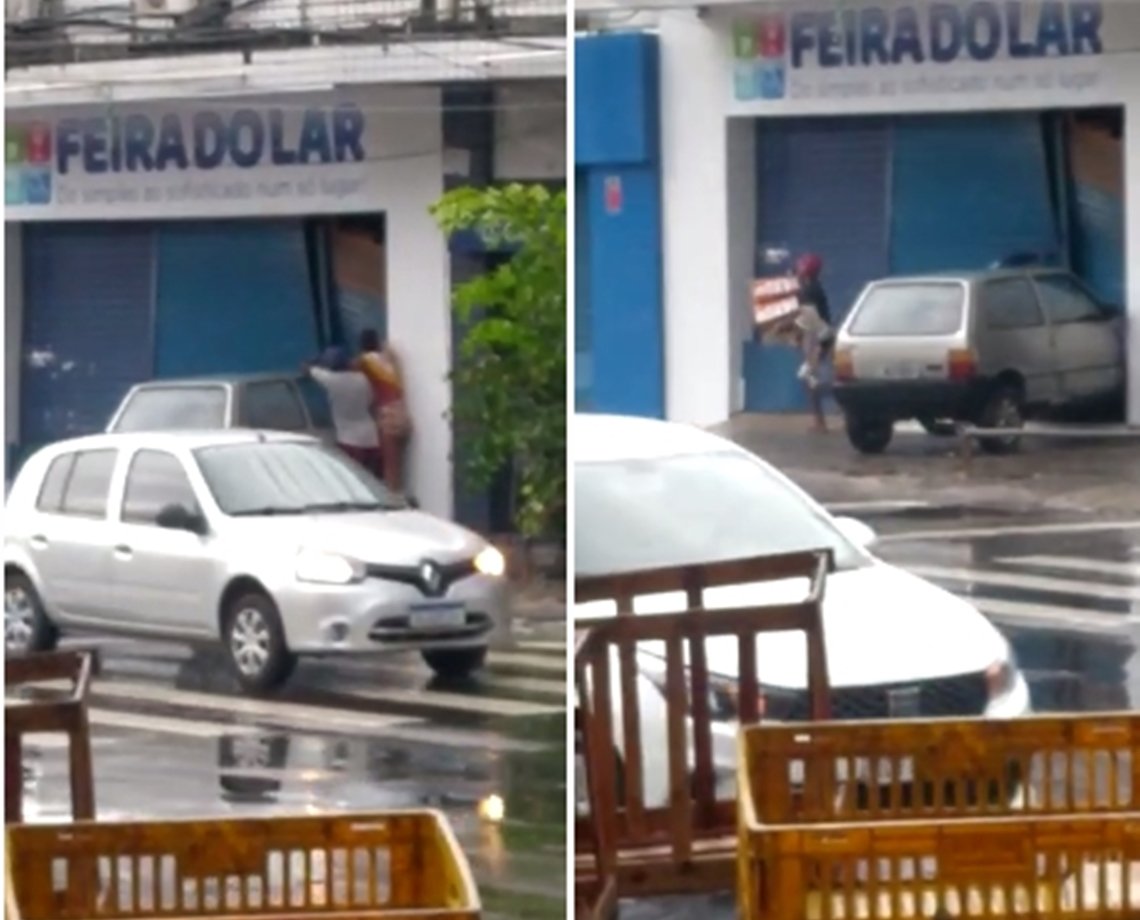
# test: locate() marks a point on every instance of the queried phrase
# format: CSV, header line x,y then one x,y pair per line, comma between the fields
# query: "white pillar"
x,y
695,193
742,203
1132,250
419,307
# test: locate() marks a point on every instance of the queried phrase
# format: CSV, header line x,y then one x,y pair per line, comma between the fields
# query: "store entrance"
x,y
881,196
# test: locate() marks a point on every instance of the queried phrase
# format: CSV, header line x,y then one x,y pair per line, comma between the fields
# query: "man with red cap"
x,y
814,324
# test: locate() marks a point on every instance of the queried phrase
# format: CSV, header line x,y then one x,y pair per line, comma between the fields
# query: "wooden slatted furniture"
x,y
628,848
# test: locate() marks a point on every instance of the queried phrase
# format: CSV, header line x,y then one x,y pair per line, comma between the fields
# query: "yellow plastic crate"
x,y
811,854
854,772
382,866
1037,868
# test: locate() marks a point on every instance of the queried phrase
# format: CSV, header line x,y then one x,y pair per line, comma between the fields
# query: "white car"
x,y
272,544
651,494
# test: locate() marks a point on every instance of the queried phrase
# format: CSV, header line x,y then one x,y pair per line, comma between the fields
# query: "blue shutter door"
x,y
233,297
823,189
969,190
1097,214
89,293
583,316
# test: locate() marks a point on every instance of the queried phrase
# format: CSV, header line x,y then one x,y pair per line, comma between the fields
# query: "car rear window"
x,y
927,308
174,409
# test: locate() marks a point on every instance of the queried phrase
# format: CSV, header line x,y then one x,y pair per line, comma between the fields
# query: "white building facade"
x,y
221,216
889,136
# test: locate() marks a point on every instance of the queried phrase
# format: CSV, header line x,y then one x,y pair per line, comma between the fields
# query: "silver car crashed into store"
x,y
988,348
273,544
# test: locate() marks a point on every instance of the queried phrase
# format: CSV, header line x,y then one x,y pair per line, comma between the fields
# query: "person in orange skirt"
x,y
380,365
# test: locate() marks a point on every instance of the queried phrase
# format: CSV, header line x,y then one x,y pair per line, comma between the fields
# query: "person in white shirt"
x,y
350,401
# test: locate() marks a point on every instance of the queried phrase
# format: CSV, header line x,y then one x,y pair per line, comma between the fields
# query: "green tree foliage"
x,y
509,382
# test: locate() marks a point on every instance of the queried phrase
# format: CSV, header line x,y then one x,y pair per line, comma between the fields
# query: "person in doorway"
x,y
350,403
809,267
381,366
813,326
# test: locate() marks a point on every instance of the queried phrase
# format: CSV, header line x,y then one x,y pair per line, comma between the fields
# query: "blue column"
x,y
618,167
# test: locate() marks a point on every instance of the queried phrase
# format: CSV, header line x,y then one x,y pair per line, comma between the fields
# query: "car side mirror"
x,y
179,517
859,533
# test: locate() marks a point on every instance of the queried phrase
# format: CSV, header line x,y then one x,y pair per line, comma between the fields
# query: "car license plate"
x,y
901,371
437,616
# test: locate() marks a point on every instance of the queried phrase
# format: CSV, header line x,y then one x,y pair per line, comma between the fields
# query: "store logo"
x,y
767,50
27,164
760,49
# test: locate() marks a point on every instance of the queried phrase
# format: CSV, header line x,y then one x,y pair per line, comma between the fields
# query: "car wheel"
x,y
939,428
451,664
255,643
869,435
26,627
1004,409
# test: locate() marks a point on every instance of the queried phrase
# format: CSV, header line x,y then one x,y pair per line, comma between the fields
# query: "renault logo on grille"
x,y
431,577
903,702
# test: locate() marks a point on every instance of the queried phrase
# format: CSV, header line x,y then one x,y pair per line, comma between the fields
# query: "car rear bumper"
x,y
911,399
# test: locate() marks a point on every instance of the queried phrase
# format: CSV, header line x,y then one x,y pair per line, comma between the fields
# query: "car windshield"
x,y
174,409
692,509
926,308
267,478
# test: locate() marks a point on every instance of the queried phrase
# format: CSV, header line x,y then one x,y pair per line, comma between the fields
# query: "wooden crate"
x,y
1041,867
943,768
626,846
62,713
387,866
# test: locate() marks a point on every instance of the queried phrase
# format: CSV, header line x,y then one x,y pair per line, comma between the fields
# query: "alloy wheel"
x,y
250,641
19,620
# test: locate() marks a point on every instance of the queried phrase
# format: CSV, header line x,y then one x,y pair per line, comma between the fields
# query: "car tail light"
x,y
844,364
961,364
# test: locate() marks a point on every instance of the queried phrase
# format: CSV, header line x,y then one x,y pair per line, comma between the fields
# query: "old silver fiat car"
x,y
273,544
989,348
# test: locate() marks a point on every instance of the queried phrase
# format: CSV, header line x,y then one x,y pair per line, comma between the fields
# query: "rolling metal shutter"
x,y
1097,214
968,191
88,332
583,318
233,297
822,188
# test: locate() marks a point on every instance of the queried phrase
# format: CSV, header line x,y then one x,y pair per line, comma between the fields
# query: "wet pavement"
x,y
1064,589
172,737
1069,476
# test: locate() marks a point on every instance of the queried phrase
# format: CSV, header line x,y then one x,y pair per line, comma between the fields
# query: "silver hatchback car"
x,y
273,544
989,348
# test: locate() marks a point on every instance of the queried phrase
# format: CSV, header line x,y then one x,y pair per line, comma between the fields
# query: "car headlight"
x,y
490,562
327,568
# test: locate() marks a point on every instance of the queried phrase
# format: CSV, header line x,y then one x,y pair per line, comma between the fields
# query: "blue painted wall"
x,y
617,142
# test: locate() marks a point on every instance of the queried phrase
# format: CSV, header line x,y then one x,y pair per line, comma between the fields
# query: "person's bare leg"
x,y
815,396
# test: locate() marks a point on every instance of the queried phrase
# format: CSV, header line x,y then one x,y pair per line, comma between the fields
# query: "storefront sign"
x,y
852,50
188,161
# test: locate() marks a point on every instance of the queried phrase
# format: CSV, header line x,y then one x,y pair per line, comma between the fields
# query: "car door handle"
x,y
123,551
39,541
